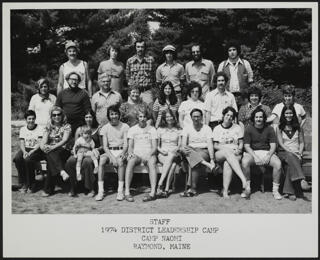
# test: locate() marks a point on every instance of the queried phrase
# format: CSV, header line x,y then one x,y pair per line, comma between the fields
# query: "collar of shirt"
x,y
135,59
170,65
217,92
202,62
106,94
237,62
250,106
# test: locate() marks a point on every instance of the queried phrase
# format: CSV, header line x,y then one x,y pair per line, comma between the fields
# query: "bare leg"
x,y
227,176
170,176
129,173
152,174
78,165
166,167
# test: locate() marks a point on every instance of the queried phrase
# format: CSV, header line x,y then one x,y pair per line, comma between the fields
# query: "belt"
x,y
116,148
142,89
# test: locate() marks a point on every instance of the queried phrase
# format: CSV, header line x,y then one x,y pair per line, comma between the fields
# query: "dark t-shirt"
x,y
74,103
259,139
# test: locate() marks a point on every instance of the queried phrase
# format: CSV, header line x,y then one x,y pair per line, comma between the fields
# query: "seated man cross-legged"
x,y
260,145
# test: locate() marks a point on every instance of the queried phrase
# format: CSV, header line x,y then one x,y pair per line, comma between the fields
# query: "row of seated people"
x,y
194,146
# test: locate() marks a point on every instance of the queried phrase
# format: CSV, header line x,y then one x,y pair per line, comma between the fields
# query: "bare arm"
x,y
60,80
207,117
88,79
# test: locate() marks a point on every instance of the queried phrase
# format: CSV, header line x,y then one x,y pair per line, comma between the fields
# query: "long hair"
x,y
283,121
95,123
162,97
257,110
163,122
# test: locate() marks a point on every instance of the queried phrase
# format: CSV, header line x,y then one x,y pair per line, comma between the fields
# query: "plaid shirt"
x,y
141,73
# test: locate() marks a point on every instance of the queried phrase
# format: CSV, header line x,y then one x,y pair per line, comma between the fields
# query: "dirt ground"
x,y
208,201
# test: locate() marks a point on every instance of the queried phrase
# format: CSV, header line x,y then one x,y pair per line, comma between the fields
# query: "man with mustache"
x,y
140,71
200,70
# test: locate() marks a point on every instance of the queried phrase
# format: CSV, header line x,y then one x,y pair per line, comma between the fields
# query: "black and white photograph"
x,y
171,129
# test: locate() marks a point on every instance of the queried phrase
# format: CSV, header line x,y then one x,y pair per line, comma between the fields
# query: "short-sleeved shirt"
x,y
245,111
259,139
80,69
201,72
301,113
186,107
42,106
157,107
140,73
129,111
174,73
228,137
197,139
115,134
291,141
55,133
142,139
169,138
102,101
115,69
31,137
215,102
83,144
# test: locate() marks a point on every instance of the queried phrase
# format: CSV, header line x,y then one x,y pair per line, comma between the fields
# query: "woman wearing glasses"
x,y
55,137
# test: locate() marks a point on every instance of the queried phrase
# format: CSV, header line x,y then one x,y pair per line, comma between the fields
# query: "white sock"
x,y
100,186
120,186
78,169
95,162
275,187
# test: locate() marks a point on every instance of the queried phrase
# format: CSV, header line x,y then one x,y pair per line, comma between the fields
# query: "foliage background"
x,y
277,42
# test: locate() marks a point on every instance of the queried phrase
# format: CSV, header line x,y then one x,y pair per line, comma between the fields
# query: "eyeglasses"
x,y
73,79
55,115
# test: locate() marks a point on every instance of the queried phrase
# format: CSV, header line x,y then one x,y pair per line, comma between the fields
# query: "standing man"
x,y
113,68
74,101
238,71
140,71
200,70
260,144
104,98
217,100
74,64
171,70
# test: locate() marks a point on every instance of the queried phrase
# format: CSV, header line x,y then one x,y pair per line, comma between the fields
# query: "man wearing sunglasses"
x,y
74,101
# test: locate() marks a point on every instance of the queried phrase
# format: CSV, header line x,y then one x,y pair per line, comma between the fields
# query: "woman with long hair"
x,y
167,100
169,141
54,144
291,145
87,167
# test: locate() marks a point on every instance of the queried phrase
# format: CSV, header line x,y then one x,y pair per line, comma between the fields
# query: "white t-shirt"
x,y
42,108
277,110
197,139
115,134
142,139
31,137
80,69
186,107
228,136
169,138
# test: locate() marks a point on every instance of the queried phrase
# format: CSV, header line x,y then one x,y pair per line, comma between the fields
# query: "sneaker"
x,y
91,194
149,198
292,197
129,198
99,196
305,185
246,192
277,195
64,175
45,194
72,194
29,190
23,189
120,196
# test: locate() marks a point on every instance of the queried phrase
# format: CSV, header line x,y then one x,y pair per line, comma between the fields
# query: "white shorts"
x,y
260,153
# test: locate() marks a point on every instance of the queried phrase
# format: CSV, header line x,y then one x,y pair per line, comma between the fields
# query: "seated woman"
x,y
29,153
87,165
291,145
55,137
254,98
228,141
42,102
142,148
168,146
115,145
129,110
167,100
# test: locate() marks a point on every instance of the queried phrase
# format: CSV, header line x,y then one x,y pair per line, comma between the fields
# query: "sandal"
x,y
149,198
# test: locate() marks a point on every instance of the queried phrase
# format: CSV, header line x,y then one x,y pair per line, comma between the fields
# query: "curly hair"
x,y
257,110
227,109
